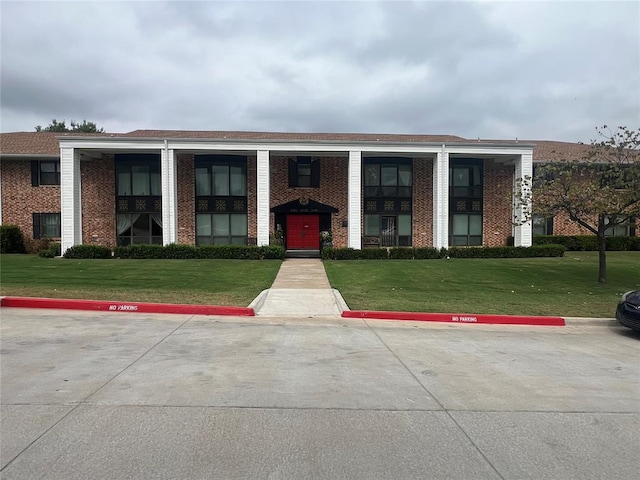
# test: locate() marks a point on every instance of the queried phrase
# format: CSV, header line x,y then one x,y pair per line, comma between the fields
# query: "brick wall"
x,y
497,207
333,191
186,199
20,200
252,205
422,202
98,180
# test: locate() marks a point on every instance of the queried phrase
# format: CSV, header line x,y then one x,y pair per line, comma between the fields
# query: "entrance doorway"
x,y
303,232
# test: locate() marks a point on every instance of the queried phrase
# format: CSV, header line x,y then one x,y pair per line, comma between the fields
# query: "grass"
x,y
539,286
207,282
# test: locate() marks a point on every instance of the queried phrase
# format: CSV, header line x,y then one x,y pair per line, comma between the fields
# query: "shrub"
x,y
52,251
424,253
140,251
402,253
433,253
507,252
273,252
588,243
340,253
88,251
11,239
35,246
372,254
176,250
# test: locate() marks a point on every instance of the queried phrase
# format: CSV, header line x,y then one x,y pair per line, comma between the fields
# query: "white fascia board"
x,y
489,149
112,144
300,147
119,143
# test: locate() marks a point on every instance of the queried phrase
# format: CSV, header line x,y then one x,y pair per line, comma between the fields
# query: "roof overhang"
x,y
321,147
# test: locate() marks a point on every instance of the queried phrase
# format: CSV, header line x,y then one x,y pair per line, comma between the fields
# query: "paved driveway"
x,y
119,395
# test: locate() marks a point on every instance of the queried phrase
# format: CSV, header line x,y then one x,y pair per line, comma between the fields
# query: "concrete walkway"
x,y
301,288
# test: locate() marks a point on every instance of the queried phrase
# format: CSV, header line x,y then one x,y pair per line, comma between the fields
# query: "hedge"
x,y
11,239
588,242
507,252
177,251
408,253
87,251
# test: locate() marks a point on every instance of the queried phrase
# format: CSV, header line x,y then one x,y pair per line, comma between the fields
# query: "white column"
x,y
522,232
354,201
262,197
441,199
70,198
0,195
169,196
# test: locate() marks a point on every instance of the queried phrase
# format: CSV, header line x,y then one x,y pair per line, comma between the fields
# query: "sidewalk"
x,y
301,288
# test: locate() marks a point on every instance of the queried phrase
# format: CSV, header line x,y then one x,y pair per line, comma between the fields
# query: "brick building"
x,y
199,187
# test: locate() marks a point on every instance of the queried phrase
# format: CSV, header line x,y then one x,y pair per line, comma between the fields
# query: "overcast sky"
x,y
532,70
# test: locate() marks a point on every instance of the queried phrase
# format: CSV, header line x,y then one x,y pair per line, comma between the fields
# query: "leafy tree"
x,y
599,193
84,127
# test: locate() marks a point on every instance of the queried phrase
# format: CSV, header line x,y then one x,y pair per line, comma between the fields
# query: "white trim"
x,y
522,234
0,196
114,144
262,197
70,198
415,148
488,150
354,200
441,199
169,196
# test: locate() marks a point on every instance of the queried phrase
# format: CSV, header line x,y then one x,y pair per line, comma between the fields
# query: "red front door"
x,y
303,232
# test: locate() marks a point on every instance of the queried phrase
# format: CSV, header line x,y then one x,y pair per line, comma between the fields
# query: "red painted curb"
x,y
457,318
134,307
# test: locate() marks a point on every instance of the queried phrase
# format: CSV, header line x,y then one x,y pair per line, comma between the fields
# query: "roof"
x,y
46,143
35,143
339,137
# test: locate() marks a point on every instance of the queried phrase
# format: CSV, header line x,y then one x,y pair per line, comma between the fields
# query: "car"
x,y
628,311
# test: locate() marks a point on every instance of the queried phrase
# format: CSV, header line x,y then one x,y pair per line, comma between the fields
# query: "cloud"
x,y
539,70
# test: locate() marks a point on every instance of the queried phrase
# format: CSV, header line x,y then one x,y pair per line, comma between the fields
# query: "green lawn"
x,y
208,282
538,286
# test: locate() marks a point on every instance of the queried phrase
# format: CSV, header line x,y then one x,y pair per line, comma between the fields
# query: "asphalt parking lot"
x,y
122,395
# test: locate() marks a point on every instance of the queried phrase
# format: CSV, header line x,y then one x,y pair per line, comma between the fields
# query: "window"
x,y
221,176
304,172
45,172
46,225
221,229
387,178
139,228
621,226
138,175
390,230
465,201
466,181
466,230
542,225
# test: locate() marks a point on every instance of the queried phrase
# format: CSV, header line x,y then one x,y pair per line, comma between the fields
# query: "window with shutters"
x,y
304,172
46,225
45,172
